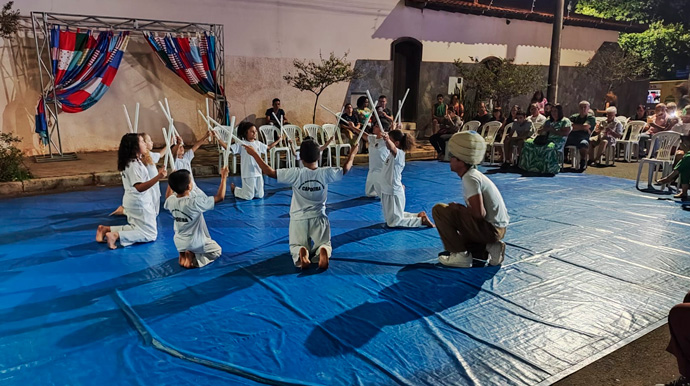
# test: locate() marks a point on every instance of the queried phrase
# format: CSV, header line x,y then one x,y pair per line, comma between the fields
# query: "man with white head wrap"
x,y
472,230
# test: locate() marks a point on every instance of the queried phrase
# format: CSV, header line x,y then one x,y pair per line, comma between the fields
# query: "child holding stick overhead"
x,y
378,153
392,189
192,240
183,159
141,215
308,220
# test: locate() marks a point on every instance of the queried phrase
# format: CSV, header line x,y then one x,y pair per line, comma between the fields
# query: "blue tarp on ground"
x,y
591,264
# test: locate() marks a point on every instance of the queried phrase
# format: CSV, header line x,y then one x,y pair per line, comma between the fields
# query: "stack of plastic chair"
x,y
499,145
660,158
489,130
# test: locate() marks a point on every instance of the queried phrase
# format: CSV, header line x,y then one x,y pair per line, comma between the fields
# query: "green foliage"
x,y
317,76
641,11
12,166
498,79
664,48
9,20
614,66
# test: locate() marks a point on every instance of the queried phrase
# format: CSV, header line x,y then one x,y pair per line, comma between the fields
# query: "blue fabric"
x,y
591,263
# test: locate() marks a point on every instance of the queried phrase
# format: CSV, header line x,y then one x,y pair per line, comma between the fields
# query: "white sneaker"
x,y
497,252
456,259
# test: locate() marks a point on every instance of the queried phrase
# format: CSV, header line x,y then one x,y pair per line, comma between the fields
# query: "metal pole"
x,y
40,75
555,61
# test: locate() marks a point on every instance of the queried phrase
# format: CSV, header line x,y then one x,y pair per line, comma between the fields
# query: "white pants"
x,y
317,229
141,226
371,187
206,253
394,212
252,187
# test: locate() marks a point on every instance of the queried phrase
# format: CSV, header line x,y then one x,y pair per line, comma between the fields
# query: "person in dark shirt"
x,y
278,112
352,126
482,115
583,123
384,112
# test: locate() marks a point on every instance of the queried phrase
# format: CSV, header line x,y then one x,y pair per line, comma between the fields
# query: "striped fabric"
x,y
84,67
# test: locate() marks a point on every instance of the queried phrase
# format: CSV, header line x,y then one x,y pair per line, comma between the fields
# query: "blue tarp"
x,y
591,264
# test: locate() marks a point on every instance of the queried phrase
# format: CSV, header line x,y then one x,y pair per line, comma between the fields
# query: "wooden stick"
x,y
376,114
129,122
136,119
364,125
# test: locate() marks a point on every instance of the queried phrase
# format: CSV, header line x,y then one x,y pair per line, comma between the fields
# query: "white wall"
x,y
262,37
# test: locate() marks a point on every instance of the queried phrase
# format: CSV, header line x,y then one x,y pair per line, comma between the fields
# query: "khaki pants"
x,y
460,231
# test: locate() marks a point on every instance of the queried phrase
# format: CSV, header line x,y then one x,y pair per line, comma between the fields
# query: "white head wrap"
x,y
467,146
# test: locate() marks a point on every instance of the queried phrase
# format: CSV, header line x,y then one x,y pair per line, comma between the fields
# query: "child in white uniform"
x,y
150,159
308,218
141,215
183,159
252,182
192,240
295,153
392,189
378,153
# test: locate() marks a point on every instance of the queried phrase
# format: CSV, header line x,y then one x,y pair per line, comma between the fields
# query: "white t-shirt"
x,y
135,173
539,119
309,189
391,173
248,166
378,152
190,227
473,183
185,162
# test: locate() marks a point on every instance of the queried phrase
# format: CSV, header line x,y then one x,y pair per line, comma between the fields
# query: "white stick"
x,y
164,111
280,121
364,125
167,145
167,107
208,123
136,119
398,118
129,122
376,114
340,117
171,157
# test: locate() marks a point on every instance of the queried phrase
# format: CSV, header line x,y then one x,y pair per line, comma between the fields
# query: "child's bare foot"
x,y
120,211
425,220
232,188
304,262
111,238
188,260
100,233
323,259
180,258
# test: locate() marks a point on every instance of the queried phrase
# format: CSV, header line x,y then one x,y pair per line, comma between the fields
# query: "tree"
x,y
9,20
498,79
664,48
316,77
640,11
611,65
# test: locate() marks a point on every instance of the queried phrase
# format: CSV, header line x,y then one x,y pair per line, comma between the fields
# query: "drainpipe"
x,y
555,61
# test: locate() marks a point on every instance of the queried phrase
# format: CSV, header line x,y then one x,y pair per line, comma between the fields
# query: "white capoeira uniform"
x,y
191,232
308,220
155,189
252,180
378,152
141,215
393,194
186,163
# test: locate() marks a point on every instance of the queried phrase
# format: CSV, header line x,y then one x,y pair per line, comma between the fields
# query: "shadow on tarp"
x,y
420,290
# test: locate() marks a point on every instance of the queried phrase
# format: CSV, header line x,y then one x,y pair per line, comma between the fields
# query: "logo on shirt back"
x,y
177,215
311,186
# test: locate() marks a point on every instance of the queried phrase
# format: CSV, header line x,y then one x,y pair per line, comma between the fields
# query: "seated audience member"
x,y
655,124
516,136
547,110
610,100
457,107
640,114
540,101
438,113
542,154
605,134
535,116
482,115
583,123
451,124
384,112
352,126
679,346
497,115
681,169
511,116
363,111
275,109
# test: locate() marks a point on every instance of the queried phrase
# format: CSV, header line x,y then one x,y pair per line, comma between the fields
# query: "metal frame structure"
x,y
42,22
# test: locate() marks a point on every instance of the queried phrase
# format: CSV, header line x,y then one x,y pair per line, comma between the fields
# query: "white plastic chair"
x,y
490,129
328,130
500,144
630,145
314,131
281,147
471,126
623,120
267,137
338,144
665,143
293,132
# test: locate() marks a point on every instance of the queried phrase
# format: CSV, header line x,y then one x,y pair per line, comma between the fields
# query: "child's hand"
x,y
162,172
179,140
224,172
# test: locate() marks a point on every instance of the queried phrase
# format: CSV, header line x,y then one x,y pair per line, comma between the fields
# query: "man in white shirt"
x,y
472,230
192,240
308,220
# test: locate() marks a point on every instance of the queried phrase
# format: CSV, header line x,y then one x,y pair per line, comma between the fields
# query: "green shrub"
x,y
12,166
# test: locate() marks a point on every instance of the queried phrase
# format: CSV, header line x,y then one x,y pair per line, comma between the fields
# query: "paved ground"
x,y
641,363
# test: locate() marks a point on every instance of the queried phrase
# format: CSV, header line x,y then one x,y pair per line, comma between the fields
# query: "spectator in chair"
x,y
583,123
451,125
540,101
457,107
640,114
352,126
655,124
605,134
547,111
535,116
511,116
385,113
482,114
497,115
523,129
542,154
275,109
438,114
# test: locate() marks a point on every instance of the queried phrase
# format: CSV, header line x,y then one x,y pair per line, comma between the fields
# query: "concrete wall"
x,y
262,38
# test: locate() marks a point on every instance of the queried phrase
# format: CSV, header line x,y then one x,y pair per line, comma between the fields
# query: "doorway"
x,y
406,54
